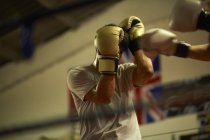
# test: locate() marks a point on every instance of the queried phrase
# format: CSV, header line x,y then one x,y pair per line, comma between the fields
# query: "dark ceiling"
x,y
27,23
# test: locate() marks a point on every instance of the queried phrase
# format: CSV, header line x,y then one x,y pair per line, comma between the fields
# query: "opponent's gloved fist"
x,y
107,41
159,41
135,28
188,15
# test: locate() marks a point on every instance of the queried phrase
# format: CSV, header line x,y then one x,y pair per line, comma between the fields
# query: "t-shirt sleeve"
x,y
79,82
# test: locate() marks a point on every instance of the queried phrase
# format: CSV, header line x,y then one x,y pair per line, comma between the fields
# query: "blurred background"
x,y
41,40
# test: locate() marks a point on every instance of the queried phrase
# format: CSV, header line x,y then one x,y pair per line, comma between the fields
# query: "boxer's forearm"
x,y
104,90
107,42
106,87
144,68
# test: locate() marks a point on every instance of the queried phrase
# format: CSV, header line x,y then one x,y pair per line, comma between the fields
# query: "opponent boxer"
x,y
100,90
188,16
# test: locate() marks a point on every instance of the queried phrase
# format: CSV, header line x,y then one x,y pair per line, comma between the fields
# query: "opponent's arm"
x,y
200,52
187,16
159,41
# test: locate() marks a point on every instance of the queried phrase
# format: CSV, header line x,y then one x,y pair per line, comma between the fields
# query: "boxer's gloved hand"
x,y
107,42
159,41
188,15
135,28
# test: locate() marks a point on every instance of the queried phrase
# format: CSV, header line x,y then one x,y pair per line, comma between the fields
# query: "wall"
x,y
35,90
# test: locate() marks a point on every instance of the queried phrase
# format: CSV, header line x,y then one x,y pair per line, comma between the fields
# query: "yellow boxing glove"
x,y
107,42
135,28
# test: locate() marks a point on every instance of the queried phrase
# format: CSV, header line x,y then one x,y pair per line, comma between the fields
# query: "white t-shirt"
x,y
114,121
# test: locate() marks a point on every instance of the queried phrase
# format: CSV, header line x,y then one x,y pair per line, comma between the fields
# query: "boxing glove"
x,y
188,15
107,42
159,41
135,28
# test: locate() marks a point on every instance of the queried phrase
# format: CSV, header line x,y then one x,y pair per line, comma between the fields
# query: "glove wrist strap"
x,y
182,49
204,21
107,64
135,45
